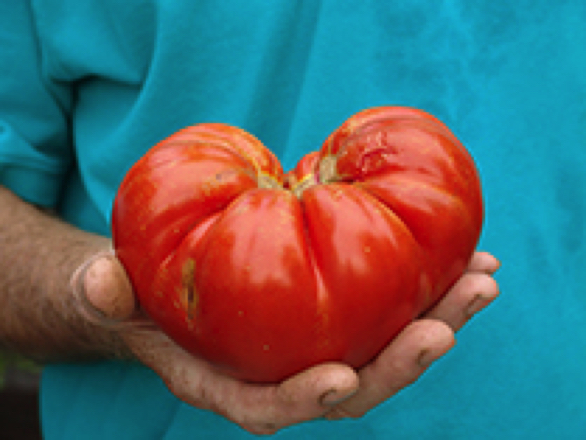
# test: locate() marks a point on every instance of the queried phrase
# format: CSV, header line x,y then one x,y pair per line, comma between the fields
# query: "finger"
x,y
305,396
471,293
483,262
399,365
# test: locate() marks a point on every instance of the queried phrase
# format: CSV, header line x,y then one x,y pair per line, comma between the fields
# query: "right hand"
x,y
332,390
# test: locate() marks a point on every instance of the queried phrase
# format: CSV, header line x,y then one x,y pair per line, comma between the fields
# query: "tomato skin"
x,y
264,273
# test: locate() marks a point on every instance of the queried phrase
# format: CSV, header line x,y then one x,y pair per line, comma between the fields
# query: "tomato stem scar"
x,y
328,172
308,181
325,173
267,181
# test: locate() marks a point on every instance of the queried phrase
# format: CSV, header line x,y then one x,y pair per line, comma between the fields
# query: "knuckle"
x,y
176,389
258,423
264,428
191,393
340,413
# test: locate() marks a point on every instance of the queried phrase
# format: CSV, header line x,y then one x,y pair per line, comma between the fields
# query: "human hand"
x,y
330,390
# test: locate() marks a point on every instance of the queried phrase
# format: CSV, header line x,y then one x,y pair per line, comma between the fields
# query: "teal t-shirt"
x,y
86,87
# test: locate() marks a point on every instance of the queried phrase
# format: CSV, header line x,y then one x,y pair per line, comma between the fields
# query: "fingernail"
x,y
426,358
476,305
497,267
333,398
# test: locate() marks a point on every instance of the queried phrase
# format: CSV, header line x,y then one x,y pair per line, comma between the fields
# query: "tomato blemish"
x,y
188,291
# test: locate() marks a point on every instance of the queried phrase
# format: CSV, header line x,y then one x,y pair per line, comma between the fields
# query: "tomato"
x,y
265,273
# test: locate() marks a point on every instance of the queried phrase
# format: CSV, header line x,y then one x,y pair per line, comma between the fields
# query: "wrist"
x,y
38,314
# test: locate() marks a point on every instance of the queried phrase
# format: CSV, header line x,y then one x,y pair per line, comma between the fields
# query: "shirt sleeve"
x,y
35,145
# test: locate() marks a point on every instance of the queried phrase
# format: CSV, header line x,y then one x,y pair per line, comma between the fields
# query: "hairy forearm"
x,y
38,315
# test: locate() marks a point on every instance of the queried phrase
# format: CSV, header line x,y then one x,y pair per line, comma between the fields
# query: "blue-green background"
x,y
96,83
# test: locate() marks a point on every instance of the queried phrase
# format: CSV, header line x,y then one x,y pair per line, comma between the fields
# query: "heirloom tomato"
x,y
264,273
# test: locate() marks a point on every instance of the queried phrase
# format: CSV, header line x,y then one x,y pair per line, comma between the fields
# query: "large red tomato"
x,y
265,274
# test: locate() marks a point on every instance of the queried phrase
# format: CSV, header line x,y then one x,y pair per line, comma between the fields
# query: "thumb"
x,y
103,290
